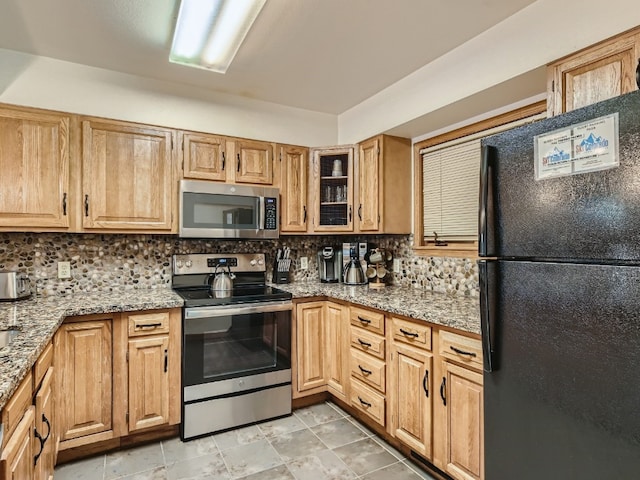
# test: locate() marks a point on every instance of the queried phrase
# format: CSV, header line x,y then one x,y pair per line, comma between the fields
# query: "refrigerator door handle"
x,y
486,219
487,274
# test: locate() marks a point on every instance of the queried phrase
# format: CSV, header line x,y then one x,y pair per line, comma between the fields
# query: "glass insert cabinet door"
x,y
332,182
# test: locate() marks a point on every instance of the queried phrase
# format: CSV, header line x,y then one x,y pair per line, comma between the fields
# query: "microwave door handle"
x,y
261,220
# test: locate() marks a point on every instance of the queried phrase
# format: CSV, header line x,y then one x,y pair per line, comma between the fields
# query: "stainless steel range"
x,y
236,349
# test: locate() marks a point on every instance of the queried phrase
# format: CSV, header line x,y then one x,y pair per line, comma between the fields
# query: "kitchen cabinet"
x,y
310,334
128,177
92,406
293,163
367,363
331,188
203,156
121,375
45,429
460,431
254,162
337,349
410,384
34,160
602,71
383,188
153,369
16,459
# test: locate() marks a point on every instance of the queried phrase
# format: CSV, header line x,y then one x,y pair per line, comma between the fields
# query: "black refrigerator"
x,y
559,227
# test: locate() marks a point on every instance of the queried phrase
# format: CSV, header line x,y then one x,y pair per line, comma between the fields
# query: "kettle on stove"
x,y
222,285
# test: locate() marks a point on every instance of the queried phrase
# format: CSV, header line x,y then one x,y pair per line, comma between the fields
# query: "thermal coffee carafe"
x,y
330,264
353,273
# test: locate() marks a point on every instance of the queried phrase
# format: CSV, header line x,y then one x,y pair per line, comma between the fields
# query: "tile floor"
x,y
316,443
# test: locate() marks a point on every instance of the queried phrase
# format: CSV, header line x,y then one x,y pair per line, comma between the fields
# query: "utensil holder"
x,y
281,270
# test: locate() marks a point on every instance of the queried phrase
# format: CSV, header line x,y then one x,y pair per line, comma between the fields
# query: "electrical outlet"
x,y
64,269
396,265
304,263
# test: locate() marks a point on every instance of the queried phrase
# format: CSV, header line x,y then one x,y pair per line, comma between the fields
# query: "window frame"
x,y
459,249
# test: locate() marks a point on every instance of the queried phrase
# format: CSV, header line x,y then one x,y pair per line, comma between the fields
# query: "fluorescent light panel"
x,y
209,32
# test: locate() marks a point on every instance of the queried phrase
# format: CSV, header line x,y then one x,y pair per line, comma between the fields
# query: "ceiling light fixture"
x,y
208,33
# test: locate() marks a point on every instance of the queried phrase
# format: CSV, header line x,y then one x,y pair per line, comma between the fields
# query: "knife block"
x,y
281,271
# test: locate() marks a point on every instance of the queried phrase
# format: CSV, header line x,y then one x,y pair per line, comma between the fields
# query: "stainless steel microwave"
x,y
220,210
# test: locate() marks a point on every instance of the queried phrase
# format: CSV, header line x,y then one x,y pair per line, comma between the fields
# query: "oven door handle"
x,y
223,311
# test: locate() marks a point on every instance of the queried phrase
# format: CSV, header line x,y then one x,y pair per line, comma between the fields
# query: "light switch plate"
x,y
304,263
64,269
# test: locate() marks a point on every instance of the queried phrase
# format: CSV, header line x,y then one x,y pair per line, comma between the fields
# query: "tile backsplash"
x,y
112,261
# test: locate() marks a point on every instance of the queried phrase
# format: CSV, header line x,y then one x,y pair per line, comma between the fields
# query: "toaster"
x,y
14,285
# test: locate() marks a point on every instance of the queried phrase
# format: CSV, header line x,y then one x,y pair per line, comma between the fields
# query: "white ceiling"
x,y
320,55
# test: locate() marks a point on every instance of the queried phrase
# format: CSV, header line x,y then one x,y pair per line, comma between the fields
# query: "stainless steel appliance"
x,y
14,285
560,300
236,358
353,272
219,210
330,265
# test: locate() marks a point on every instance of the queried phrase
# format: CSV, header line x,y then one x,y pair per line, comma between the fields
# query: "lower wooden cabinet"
x,y
45,429
16,461
337,349
410,394
121,375
462,400
310,349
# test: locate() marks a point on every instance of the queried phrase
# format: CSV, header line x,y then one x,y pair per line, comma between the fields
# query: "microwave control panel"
x,y
271,214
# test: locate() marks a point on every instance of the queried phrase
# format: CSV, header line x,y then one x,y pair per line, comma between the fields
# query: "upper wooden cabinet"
x,y
254,162
204,156
331,188
597,73
293,166
128,180
34,160
383,186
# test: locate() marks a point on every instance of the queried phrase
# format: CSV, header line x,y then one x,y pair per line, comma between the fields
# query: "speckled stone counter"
x,y
38,319
454,311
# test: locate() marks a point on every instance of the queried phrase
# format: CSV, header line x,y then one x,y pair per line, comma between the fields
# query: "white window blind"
x,y
450,180
450,186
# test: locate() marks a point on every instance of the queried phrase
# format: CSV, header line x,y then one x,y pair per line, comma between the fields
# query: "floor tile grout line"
x,y
331,450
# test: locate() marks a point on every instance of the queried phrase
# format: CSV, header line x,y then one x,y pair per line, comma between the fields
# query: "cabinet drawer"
x,y
367,401
413,333
368,369
460,348
367,342
371,321
42,364
148,323
17,405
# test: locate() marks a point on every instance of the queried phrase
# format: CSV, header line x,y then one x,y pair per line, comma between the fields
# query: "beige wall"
x,y
46,83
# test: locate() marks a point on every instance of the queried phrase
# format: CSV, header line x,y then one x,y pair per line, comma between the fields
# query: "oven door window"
x,y
206,210
220,347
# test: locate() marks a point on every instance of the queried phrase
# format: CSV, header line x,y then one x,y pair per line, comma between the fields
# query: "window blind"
x,y
450,180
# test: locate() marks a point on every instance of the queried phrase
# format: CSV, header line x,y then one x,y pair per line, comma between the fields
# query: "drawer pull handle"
x,y
364,320
409,334
364,370
425,382
363,343
462,352
149,325
366,404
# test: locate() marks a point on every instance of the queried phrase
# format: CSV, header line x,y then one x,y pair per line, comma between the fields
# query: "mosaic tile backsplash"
x,y
106,262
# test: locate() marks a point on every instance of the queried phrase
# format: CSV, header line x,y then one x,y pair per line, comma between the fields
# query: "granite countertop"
x,y
37,320
454,311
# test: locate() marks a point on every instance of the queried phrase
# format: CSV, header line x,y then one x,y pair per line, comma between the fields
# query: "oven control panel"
x,y
206,262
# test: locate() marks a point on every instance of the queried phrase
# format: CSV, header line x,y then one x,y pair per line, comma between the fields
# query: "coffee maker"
x,y
330,265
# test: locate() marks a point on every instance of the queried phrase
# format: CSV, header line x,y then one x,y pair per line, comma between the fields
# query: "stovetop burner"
x,y
200,297
193,275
